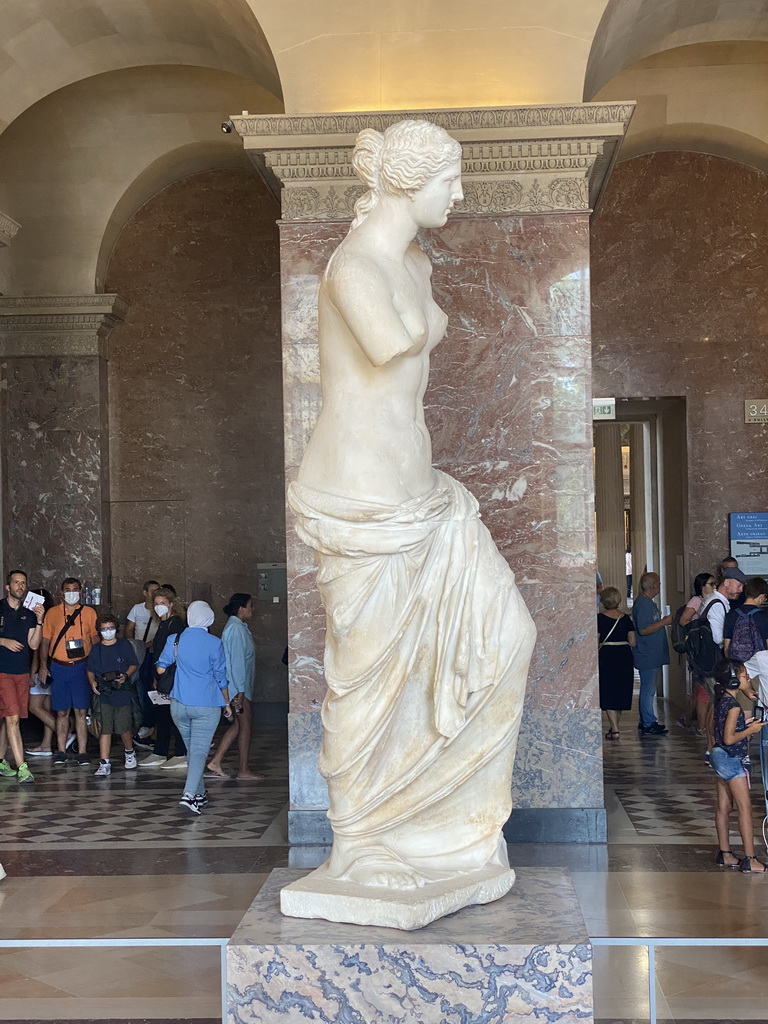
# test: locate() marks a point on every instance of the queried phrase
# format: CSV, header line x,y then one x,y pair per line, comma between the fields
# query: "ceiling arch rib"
x,y
698,137
76,162
631,30
46,45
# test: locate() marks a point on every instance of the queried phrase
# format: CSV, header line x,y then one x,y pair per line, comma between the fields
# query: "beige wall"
x,y
704,98
46,45
631,30
397,54
67,163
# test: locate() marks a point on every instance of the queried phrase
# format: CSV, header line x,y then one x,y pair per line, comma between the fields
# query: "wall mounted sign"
x,y
749,541
603,408
756,410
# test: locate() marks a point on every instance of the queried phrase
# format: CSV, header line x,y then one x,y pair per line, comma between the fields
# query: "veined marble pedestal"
x,y
523,958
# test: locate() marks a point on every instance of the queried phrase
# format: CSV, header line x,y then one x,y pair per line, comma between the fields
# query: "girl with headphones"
x,y
732,731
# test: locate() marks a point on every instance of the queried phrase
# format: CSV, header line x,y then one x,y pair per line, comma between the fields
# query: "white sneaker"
x,y
105,768
2,872
191,803
130,760
175,762
152,761
143,732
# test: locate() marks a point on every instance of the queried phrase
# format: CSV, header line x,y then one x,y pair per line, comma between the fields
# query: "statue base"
x,y
522,958
317,895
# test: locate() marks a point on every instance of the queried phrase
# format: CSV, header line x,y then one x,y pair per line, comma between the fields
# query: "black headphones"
x,y
733,682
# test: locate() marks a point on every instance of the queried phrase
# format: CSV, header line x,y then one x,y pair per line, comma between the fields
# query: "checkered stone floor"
x,y
664,785
69,806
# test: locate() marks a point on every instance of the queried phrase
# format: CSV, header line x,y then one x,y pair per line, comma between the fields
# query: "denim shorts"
x,y
726,767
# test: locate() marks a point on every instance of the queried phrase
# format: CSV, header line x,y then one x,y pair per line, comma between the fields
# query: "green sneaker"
x,y
5,769
24,774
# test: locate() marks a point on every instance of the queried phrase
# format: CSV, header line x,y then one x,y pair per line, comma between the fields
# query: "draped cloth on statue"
x,y
426,657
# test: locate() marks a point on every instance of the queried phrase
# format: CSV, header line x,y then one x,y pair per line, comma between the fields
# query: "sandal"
x,y
612,735
746,865
720,859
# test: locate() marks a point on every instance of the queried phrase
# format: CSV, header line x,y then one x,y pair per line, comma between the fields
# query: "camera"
x,y
759,713
75,649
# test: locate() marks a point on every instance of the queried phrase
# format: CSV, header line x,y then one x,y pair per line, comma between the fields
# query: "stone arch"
x,y
697,137
78,161
184,162
48,45
633,29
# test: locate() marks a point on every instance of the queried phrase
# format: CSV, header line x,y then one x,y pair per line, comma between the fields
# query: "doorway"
x,y
641,507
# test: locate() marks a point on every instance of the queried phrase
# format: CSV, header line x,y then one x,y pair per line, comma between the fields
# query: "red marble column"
x,y
508,407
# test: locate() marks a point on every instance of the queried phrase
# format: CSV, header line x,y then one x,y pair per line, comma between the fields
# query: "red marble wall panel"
x,y
679,261
508,410
195,411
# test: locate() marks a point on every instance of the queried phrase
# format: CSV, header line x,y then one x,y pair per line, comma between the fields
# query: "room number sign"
x,y
756,410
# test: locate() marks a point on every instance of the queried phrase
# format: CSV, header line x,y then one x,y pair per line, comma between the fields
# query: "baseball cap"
x,y
735,574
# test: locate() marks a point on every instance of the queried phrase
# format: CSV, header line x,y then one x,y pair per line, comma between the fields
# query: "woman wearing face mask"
x,y
170,611
199,695
109,666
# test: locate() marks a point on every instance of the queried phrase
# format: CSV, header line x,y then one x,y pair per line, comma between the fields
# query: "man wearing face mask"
x,y
109,666
69,633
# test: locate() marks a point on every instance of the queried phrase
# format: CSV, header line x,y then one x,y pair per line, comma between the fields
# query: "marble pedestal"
x,y
522,958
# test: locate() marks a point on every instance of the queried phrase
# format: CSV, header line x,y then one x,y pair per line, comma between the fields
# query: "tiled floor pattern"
x,y
130,864
67,805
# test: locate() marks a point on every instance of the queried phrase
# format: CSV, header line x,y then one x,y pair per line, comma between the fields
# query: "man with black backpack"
x,y
745,629
69,633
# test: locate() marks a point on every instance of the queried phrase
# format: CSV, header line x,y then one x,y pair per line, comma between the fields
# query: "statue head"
x,y
400,161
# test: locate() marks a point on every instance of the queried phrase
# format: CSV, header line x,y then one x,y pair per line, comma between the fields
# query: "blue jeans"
x,y
648,680
197,726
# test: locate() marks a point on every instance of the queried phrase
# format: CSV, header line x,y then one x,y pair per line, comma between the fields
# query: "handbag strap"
x,y
610,631
70,621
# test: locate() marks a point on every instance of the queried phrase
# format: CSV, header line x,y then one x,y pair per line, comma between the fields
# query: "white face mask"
x,y
109,634
72,597
161,609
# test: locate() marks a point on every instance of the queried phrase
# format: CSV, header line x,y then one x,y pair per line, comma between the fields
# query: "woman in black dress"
x,y
616,640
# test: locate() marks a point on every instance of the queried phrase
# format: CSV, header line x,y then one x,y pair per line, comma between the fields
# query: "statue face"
x,y
434,201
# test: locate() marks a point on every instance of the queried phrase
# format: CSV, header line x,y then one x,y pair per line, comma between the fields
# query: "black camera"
x,y
75,649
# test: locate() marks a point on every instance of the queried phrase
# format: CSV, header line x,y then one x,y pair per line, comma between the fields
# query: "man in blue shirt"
x,y
651,651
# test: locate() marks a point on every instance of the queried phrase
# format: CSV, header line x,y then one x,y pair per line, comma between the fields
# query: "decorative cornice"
x,y
8,229
514,159
58,325
454,121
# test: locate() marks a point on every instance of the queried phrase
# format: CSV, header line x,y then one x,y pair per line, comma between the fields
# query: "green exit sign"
x,y
603,408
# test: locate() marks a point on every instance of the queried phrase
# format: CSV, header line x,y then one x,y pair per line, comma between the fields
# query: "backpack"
x,y
678,632
746,640
703,653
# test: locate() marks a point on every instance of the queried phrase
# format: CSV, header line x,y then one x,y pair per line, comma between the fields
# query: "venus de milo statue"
x,y
428,640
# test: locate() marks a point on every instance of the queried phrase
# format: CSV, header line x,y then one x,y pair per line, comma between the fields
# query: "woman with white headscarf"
x,y
198,696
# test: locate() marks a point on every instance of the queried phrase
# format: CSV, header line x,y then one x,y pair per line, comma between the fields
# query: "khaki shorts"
x,y
115,720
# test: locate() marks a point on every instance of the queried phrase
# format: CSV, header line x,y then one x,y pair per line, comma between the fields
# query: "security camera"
x,y
227,127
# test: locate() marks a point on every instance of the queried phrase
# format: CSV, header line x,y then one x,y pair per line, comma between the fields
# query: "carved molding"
x,y
545,116
8,229
515,159
58,325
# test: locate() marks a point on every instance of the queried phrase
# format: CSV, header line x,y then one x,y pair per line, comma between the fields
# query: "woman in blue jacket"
x,y
198,696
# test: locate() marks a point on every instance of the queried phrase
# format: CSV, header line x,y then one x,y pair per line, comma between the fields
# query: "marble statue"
x,y
428,640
